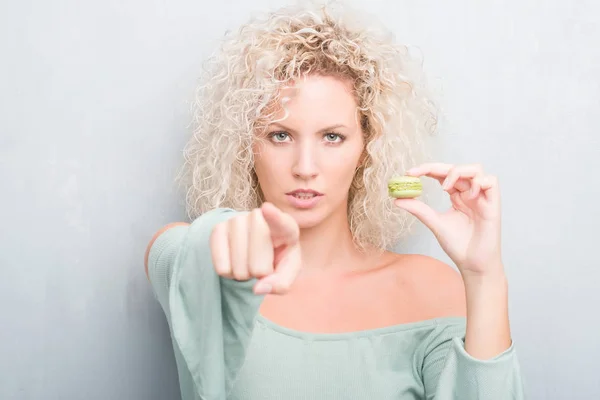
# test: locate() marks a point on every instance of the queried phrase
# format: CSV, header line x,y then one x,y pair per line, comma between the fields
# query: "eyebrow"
x,y
324,130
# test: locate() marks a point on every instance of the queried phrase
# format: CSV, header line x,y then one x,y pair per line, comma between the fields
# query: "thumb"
x,y
284,229
280,282
427,215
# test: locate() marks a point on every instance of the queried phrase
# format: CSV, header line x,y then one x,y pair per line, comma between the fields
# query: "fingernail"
x,y
263,288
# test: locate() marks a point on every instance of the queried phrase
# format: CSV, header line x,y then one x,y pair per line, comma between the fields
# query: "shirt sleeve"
x,y
211,318
161,259
450,373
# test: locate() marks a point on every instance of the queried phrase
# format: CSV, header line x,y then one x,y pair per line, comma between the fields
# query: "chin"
x,y
307,218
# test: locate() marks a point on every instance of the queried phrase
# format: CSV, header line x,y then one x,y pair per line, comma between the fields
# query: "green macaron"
x,y
405,187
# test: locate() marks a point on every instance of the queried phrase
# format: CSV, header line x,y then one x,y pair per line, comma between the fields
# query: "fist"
x,y
263,244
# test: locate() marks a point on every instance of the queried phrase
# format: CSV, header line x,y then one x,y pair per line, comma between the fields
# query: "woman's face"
x,y
306,163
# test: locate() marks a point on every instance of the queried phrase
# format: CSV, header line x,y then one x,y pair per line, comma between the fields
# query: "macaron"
x,y
405,187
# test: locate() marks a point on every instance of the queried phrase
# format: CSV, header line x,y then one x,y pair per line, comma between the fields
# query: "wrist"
x,y
490,274
486,291
488,279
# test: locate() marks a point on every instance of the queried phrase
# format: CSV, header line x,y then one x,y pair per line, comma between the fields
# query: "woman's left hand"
x,y
469,232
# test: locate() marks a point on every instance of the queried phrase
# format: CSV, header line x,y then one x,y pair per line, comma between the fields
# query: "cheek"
x,y
260,158
268,166
342,166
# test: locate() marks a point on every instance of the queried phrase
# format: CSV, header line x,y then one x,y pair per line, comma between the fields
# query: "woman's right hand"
x,y
262,244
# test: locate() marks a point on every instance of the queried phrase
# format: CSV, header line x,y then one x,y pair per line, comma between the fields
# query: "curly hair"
x,y
246,75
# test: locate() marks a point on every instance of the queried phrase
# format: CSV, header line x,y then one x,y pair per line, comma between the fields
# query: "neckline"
x,y
307,335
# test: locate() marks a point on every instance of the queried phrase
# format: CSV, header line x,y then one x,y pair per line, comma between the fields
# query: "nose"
x,y
305,161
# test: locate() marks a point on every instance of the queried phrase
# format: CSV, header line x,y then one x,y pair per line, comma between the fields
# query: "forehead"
x,y
318,99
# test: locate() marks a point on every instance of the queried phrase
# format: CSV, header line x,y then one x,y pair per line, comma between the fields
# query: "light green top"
x,y
225,350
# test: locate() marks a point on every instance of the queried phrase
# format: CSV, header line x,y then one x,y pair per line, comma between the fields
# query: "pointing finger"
x,y
284,229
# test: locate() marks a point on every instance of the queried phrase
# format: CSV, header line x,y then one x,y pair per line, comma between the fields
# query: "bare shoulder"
x,y
435,286
155,236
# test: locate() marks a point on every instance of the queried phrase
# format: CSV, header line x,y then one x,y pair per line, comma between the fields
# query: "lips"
x,y
304,194
304,198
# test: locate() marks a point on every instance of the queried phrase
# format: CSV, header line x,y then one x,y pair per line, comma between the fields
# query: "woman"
x,y
282,287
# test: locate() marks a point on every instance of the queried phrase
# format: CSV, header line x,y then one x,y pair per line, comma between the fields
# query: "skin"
x,y
305,259
304,154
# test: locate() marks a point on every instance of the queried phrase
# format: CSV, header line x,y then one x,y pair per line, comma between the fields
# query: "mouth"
x,y
304,198
304,194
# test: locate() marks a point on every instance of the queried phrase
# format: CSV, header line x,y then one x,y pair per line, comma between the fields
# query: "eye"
x,y
334,138
278,137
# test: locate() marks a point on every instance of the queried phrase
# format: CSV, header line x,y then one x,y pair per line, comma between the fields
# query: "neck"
x,y
330,245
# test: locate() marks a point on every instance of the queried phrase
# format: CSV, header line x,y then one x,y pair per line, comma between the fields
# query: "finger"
x,y
462,185
467,172
280,282
238,247
488,182
475,187
490,186
260,246
283,228
430,169
427,215
439,172
219,250
442,170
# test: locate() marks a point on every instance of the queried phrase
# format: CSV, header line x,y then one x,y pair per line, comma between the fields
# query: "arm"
x,y
211,318
159,260
450,369
488,328
470,234
450,373
208,321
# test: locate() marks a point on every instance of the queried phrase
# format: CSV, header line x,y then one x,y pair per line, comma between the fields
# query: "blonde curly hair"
x,y
243,78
